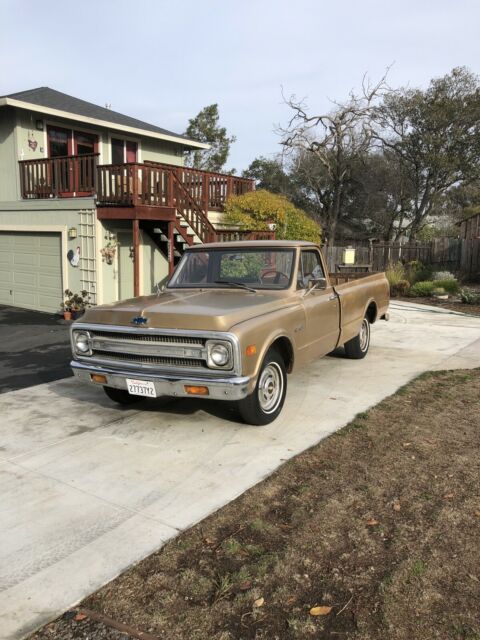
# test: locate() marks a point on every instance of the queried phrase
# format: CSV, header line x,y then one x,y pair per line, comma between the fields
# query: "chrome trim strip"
x,y
207,335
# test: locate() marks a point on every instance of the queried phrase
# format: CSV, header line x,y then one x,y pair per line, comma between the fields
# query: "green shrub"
x,y
468,296
423,289
416,271
255,210
450,286
400,288
439,291
395,273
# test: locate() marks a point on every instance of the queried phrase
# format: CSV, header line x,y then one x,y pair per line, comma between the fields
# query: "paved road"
x,y
88,488
34,348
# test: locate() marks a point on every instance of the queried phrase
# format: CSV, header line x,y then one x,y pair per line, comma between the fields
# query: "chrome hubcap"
x,y
365,335
270,387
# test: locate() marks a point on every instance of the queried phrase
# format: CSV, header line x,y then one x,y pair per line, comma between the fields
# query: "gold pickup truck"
x,y
232,322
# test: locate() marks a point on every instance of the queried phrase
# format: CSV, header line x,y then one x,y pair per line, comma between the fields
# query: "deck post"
x,y
171,264
136,257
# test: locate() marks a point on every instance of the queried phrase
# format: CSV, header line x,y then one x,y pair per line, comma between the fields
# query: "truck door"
x,y
322,307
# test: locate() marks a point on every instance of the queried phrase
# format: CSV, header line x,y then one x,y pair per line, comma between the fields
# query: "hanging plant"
x,y
109,251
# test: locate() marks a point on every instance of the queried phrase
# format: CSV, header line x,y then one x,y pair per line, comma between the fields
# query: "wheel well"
x,y
371,312
285,349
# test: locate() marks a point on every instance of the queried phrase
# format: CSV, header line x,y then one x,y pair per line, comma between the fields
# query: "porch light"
x,y
72,233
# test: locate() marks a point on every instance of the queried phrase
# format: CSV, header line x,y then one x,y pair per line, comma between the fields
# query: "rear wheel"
x,y
266,402
121,396
357,347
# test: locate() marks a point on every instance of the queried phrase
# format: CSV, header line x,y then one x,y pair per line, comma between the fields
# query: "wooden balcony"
x,y
126,185
152,184
61,177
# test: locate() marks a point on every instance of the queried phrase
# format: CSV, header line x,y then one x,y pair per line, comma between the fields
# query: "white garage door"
x,y
31,270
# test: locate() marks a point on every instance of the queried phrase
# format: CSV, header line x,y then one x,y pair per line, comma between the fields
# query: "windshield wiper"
x,y
238,285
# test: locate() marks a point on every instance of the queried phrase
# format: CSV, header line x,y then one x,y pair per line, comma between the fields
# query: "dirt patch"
x,y
471,309
378,524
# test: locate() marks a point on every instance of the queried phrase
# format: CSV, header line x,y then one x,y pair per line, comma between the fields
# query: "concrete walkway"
x,y
88,488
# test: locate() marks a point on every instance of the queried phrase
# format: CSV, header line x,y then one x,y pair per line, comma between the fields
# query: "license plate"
x,y
141,388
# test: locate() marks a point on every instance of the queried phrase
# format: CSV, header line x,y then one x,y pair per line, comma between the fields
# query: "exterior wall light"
x,y
72,233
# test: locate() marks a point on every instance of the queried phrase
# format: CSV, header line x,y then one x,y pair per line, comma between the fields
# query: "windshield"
x,y
259,268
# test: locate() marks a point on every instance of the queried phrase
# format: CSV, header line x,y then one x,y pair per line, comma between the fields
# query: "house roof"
x,y
52,102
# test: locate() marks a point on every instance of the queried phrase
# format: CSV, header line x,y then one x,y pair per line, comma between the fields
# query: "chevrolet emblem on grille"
x,y
139,320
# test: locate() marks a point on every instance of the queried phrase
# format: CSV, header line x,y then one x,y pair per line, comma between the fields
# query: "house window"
x,y
59,142
65,142
123,151
85,143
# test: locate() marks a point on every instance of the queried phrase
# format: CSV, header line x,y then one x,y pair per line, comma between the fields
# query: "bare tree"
x,y
336,140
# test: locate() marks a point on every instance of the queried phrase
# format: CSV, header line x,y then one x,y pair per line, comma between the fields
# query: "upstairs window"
x,y
59,142
123,151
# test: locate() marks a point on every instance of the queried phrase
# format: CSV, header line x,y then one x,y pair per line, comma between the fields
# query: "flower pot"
x,y
67,315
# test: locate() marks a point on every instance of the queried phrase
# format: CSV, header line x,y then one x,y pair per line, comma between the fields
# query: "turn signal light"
x,y
196,391
251,350
96,377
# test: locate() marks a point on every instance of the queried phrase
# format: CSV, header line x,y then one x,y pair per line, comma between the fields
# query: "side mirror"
x,y
317,283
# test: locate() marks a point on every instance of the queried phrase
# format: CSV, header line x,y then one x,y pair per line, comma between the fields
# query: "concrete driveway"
x,y
88,488
34,348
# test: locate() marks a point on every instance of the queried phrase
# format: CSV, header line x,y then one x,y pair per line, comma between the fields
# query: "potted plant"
x,y
75,304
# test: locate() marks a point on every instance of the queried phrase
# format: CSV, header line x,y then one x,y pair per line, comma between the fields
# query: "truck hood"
x,y
203,309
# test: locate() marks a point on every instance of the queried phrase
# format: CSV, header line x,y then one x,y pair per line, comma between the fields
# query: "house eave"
x,y
19,104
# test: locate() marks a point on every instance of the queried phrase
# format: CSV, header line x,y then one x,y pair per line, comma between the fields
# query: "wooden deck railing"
x,y
223,235
65,176
209,188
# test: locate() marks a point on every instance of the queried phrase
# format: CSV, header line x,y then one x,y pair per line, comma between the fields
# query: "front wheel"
x,y
357,347
266,402
121,396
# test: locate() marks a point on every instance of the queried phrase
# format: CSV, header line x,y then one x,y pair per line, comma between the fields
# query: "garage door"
x,y
31,270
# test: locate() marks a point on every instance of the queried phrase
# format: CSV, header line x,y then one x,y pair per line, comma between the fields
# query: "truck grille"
x,y
149,350
155,360
161,339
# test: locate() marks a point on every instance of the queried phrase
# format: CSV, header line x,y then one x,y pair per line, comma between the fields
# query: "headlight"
x,y
81,343
219,355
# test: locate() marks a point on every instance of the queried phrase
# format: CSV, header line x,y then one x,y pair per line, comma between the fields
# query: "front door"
x,y
322,309
125,265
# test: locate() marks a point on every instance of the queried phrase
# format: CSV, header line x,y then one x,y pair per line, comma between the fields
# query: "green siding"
x,y
159,151
48,213
9,176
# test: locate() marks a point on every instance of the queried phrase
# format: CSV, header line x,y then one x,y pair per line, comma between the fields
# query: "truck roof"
x,y
252,243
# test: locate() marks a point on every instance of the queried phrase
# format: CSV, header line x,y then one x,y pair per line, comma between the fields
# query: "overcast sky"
x,y
162,61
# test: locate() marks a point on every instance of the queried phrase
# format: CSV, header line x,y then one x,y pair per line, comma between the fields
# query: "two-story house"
x,y
96,200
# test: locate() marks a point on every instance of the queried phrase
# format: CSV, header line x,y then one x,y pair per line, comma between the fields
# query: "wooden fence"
x,y
452,254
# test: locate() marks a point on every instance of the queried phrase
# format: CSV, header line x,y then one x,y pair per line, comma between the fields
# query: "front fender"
x,y
263,331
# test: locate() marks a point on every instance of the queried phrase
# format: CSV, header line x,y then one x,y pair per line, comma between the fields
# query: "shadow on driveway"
x,y
34,348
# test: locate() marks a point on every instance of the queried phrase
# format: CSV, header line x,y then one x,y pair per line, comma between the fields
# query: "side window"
x,y
310,268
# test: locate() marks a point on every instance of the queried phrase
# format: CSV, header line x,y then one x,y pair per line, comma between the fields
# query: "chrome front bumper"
x,y
166,384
